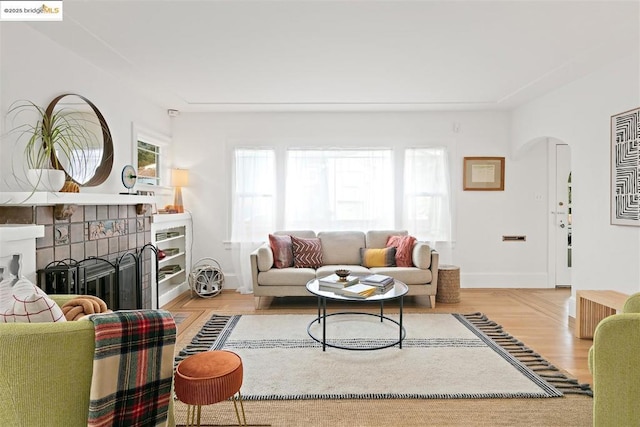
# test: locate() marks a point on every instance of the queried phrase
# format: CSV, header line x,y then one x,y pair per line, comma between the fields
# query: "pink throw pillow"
x,y
306,252
282,250
404,249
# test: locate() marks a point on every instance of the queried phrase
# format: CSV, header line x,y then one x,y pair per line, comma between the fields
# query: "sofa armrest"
x,y
632,304
261,260
422,256
614,360
45,374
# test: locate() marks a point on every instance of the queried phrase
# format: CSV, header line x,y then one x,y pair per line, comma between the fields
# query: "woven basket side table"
x,y
448,284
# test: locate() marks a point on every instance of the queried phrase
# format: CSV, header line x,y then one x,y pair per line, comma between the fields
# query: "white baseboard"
x,y
173,293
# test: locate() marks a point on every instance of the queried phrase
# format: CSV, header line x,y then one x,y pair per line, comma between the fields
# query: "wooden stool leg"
x,y
190,415
199,413
235,405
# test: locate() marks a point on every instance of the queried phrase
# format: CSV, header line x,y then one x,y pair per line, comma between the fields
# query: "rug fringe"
x,y
527,356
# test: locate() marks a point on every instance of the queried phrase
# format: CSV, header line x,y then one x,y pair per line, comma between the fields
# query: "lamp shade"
x,y
179,177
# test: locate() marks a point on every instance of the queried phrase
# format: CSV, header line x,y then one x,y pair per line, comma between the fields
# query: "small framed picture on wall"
x,y
483,174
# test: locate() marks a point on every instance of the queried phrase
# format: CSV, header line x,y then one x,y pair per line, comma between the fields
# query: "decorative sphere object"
x,y
206,278
342,274
70,187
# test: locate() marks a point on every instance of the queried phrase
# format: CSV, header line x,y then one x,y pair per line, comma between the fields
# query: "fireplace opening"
x,y
118,283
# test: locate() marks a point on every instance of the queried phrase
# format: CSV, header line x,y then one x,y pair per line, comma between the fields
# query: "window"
x,y
148,163
339,189
254,194
426,194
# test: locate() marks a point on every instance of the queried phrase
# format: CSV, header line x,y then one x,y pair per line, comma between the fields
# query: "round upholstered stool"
x,y
209,377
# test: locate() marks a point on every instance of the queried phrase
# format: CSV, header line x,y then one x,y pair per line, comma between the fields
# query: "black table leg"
x,y
401,305
324,323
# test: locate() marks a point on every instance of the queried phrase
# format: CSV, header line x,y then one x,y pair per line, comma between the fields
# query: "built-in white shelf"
x,y
172,285
169,276
168,258
162,218
43,198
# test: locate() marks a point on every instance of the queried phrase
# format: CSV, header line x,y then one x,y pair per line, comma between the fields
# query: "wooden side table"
x,y
592,307
448,284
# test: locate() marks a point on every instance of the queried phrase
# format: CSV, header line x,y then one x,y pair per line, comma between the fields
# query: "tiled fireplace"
x,y
104,231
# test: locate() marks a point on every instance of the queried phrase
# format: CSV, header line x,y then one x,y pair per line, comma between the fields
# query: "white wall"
x,y
36,68
604,256
203,143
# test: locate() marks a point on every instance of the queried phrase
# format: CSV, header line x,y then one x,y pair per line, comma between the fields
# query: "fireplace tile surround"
x,y
70,238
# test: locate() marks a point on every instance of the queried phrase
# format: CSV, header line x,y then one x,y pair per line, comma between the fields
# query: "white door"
x,y
562,214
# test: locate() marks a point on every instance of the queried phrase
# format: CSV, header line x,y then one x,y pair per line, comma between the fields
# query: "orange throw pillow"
x,y
404,249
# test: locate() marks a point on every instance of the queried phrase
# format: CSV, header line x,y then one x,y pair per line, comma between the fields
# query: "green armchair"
x,y
45,373
614,362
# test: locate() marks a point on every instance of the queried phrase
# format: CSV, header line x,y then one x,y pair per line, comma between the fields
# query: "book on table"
x,y
382,282
377,280
333,281
358,290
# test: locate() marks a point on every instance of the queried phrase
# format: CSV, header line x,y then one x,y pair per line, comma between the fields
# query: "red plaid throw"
x,y
132,368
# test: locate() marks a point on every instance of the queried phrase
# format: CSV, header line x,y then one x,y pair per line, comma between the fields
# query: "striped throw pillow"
x,y
306,252
385,257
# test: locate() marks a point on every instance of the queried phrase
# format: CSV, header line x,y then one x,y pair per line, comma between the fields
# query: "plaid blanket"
x,y
132,368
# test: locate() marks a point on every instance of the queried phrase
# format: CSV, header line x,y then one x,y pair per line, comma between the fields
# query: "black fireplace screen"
x,y
118,283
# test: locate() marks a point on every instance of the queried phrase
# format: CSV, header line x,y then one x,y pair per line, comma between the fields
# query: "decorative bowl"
x,y
342,274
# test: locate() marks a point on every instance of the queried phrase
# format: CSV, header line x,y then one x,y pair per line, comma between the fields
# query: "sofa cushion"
x,y
306,234
306,252
286,276
378,257
282,249
408,275
29,304
378,238
404,249
342,247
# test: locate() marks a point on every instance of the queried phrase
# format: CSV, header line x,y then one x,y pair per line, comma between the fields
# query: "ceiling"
x,y
354,55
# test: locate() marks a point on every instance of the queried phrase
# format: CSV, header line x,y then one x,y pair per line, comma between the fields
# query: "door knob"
x,y
561,225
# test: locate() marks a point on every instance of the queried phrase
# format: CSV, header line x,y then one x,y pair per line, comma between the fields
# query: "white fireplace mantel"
x,y
42,198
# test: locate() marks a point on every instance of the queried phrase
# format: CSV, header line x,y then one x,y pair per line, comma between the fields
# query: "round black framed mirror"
x,y
87,157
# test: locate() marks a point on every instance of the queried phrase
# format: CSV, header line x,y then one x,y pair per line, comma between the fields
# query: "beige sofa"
x,y
341,249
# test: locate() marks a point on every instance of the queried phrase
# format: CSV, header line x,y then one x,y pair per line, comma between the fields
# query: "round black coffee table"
x,y
398,292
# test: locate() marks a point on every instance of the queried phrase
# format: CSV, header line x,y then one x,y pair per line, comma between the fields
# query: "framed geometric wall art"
x,y
625,168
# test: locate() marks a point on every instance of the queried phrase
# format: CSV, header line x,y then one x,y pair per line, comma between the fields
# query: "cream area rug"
x,y
443,356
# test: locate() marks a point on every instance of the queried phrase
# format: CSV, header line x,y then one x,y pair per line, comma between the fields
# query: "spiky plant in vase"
x,y
46,137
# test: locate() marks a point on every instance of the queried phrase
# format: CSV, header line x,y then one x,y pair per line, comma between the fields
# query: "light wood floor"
x,y
538,317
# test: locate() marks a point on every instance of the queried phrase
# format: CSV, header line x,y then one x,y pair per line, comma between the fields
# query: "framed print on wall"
x,y
483,174
625,168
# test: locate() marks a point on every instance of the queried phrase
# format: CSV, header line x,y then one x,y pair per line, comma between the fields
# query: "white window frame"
x,y
140,133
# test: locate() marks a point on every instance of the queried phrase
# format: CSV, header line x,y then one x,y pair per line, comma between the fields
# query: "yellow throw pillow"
x,y
385,257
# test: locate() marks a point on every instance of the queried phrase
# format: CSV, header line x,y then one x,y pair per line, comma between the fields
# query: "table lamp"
x,y
179,179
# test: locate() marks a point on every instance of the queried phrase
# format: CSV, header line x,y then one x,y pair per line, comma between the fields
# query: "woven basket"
x,y
448,284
